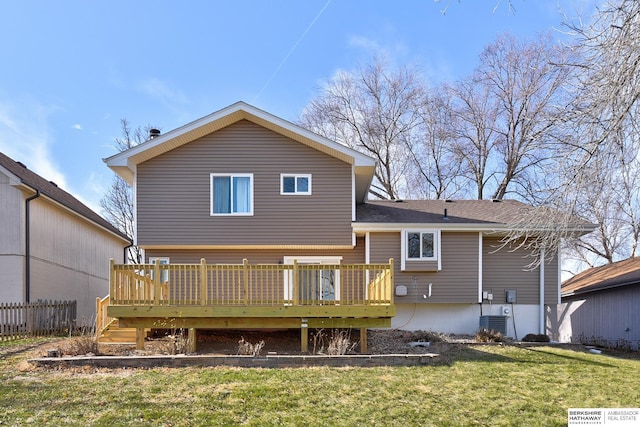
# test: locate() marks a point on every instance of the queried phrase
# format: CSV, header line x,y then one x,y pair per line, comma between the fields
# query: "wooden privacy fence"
x,y
42,318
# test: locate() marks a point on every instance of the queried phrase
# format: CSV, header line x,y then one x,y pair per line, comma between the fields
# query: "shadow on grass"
x,y
472,353
571,355
452,353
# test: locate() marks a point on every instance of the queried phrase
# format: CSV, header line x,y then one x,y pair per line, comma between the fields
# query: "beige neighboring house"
x,y
248,220
52,246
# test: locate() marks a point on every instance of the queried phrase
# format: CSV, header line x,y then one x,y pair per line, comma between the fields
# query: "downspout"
x,y
27,247
542,314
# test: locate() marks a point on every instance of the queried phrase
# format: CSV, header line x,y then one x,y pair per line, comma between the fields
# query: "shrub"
x,y
247,349
536,338
338,343
86,344
484,335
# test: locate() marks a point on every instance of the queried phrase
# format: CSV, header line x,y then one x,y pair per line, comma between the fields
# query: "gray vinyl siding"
x,y
608,318
506,269
173,193
254,256
457,282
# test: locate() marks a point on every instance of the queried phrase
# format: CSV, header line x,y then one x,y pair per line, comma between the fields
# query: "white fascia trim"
x,y
359,227
121,158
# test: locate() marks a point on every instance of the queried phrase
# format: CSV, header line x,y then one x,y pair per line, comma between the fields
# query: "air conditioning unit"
x,y
494,323
506,310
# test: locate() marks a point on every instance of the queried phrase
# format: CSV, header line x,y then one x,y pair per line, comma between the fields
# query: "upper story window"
x,y
422,245
295,184
231,194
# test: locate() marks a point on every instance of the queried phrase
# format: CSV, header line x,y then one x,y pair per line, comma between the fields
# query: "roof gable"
x,y
621,273
22,175
124,163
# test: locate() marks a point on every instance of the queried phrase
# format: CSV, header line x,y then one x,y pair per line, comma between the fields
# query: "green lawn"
x,y
477,385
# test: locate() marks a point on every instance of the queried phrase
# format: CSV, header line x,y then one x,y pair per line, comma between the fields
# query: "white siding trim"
x,y
480,267
559,277
353,193
135,206
367,249
542,312
439,246
403,249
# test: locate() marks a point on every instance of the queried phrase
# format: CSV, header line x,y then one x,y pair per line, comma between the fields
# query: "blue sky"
x,y
72,69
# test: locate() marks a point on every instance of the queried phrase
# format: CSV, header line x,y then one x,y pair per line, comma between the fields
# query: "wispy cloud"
x,y
24,136
77,126
392,50
161,91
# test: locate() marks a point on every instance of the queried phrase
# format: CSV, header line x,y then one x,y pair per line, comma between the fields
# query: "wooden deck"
x,y
248,296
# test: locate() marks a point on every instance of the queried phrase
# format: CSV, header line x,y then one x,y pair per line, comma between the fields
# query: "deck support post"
x,y
203,281
139,338
304,338
363,340
192,340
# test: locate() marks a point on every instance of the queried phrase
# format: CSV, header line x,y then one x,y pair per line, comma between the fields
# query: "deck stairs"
x,y
114,334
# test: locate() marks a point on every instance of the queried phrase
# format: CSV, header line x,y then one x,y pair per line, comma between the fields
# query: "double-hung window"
x,y
295,184
231,194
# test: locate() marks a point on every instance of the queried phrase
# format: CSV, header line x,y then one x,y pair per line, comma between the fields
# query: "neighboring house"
x,y
600,306
243,184
52,247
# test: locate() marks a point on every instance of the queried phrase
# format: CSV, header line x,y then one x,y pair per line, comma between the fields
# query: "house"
x,y
600,306
248,220
52,246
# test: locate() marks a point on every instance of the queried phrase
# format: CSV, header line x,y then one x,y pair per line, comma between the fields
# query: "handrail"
x,y
102,319
251,284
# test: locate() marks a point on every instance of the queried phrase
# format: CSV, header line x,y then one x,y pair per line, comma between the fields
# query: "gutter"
x,y
27,247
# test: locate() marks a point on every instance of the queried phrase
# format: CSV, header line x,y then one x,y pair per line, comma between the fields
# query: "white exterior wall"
x,y
464,318
11,241
70,257
11,278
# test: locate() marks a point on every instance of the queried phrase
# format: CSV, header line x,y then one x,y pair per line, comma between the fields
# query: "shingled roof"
x,y
483,213
621,273
55,193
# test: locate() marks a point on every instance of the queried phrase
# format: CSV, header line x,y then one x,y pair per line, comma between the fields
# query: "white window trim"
x,y
231,175
295,176
288,278
437,247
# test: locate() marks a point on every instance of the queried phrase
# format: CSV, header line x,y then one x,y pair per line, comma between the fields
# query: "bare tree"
x,y
376,111
475,114
603,156
528,87
435,171
118,203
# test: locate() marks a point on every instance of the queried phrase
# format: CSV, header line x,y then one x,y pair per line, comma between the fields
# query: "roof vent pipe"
x,y
446,215
153,133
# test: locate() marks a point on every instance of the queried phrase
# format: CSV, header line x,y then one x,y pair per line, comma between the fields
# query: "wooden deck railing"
x,y
251,284
102,319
